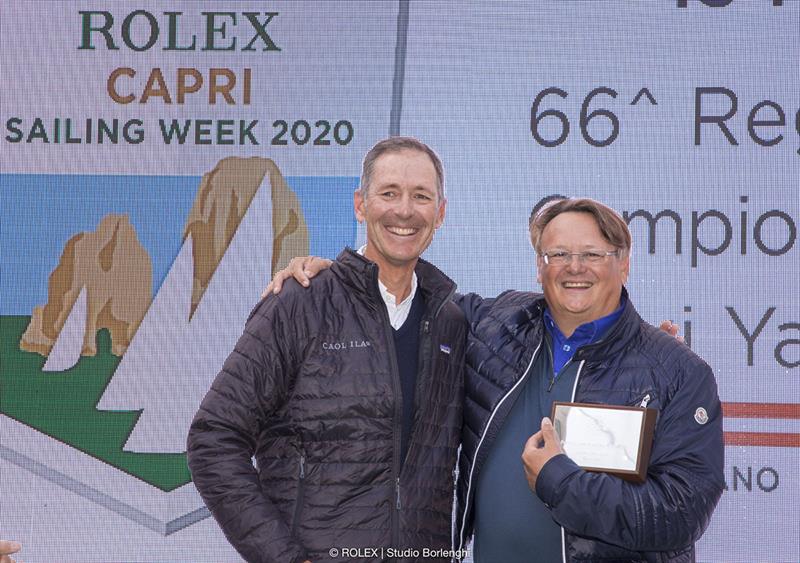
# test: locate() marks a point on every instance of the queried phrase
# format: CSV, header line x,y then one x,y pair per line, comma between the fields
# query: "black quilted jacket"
x,y
603,517
312,391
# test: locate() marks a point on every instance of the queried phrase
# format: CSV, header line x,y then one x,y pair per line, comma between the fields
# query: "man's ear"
x,y
440,215
625,268
539,266
359,205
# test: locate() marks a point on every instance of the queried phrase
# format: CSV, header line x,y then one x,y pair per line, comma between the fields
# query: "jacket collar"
x,y
615,339
362,275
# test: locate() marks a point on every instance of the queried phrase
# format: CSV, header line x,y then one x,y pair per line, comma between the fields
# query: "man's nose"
x,y
576,264
405,207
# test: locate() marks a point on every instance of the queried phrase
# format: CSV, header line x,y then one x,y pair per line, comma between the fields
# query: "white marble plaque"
x,y
603,438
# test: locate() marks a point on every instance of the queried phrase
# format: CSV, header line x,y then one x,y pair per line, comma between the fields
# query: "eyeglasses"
x,y
561,258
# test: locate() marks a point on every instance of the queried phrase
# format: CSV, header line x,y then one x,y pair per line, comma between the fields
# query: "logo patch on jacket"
x,y
346,344
700,415
444,348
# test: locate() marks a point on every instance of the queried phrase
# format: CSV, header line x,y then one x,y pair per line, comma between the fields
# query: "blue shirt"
x,y
564,348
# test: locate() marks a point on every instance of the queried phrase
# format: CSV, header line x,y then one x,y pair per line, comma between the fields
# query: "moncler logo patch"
x,y
444,348
700,415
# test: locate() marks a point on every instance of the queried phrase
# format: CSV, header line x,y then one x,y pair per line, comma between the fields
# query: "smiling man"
x,y
581,341
349,393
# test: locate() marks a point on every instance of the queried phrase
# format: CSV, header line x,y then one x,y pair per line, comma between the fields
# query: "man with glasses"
x,y
583,341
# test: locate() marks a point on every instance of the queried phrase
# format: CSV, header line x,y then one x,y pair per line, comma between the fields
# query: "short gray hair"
x,y
397,144
612,226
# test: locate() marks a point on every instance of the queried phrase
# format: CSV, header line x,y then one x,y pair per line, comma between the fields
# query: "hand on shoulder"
x,y
301,268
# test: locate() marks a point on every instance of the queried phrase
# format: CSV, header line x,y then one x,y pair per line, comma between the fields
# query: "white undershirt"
x,y
398,313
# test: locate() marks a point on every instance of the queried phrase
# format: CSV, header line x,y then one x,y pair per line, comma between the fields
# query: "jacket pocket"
x,y
298,503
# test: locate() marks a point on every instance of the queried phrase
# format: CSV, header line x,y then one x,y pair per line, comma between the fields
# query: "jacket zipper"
x,y
563,531
480,443
300,494
424,361
397,492
553,375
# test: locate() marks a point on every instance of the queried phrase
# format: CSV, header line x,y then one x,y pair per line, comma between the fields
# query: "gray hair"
x,y
612,226
397,144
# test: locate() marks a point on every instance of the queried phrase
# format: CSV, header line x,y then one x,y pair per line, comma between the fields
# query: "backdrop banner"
x,y
161,160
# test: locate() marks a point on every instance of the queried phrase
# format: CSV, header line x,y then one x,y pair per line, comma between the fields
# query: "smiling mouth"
x,y
402,231
577,285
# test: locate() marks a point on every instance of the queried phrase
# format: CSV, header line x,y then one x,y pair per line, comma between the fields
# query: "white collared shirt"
x,y
398,312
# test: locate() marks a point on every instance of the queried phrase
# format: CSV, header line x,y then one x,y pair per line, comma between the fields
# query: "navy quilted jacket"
x,y
603,517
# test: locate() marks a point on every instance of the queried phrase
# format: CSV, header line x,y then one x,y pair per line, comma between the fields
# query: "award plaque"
x,y
606,438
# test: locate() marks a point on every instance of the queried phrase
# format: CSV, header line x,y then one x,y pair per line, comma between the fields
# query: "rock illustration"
x,y
222,200
174,357
116,272
111,271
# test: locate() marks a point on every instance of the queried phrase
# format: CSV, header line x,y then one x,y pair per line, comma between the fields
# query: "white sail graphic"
x,y
172,361
66,349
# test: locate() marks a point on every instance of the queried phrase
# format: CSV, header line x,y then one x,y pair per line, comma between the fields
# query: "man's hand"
x,y
6,549
671,328
539,449
301,268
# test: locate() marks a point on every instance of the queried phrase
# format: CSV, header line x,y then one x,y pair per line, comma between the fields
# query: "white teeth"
x,y
577,284
401,231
